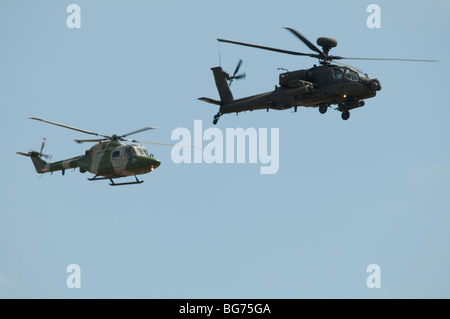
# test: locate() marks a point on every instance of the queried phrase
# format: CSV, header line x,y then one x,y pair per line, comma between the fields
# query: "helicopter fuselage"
x,y
111,159
319,86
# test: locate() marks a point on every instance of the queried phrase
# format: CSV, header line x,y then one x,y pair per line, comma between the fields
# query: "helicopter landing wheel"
x,y
345,115
216,118
323,109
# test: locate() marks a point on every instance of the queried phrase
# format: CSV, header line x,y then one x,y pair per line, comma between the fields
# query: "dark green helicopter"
x,y
109,158
320,86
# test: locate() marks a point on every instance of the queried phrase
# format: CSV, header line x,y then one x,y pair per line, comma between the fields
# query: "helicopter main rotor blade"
x,y
93,140
141,130
307,42
271,49
163,144
69,127
152,143
387,59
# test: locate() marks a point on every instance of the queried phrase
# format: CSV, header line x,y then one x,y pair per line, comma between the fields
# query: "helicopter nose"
x,y
375,85
154,163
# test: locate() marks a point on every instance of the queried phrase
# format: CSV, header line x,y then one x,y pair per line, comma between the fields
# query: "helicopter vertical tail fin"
x,y
221,77
40,165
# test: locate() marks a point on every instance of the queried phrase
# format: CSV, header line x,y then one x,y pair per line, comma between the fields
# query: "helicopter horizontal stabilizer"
x,y
208,100
24,154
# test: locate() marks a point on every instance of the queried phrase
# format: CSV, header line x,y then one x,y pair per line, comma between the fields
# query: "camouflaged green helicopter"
x,y
108,159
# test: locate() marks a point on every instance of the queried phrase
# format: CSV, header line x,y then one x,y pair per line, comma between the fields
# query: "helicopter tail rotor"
x,y
49,157
236,76
40,165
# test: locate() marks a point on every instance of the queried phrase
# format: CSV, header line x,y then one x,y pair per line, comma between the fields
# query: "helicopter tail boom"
x,y
42,166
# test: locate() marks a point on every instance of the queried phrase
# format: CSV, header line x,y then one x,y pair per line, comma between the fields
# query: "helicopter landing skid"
x,y
95,178
127,183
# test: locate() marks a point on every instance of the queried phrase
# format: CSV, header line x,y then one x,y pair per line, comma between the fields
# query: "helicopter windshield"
x,y
141,151
362,75
351,75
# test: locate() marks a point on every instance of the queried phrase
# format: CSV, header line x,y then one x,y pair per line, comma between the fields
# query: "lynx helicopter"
x,y
320,86
108,159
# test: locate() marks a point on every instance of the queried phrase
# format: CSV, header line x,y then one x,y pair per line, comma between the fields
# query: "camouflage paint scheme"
x,y
108,159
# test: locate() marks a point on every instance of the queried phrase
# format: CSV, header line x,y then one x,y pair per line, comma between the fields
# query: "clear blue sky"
x,y
371,190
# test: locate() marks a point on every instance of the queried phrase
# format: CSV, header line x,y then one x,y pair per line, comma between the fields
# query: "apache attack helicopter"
x,y
320,86
108,159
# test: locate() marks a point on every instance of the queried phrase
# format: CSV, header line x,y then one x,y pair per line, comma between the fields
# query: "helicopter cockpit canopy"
x,y
351,75
138,150
348,73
